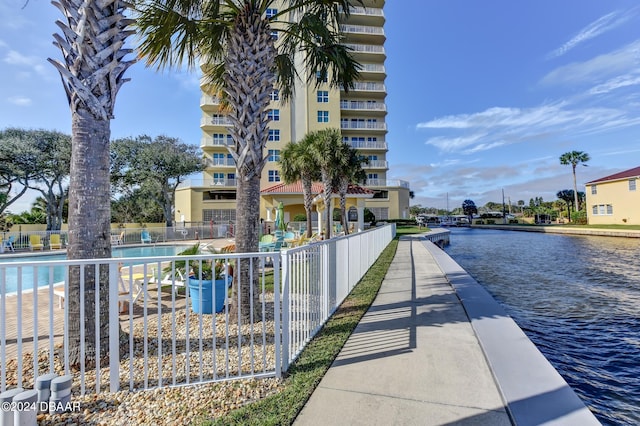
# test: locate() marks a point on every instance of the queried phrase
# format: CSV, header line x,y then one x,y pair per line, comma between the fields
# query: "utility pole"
x,y
504,211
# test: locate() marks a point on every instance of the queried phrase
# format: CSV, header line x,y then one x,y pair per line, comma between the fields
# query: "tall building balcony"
x,y
373,71
369,88
363,33
347,105
368,146
387,183
215,141
221,162
368,125
208,183
367,52
376,164
366,15
211,121
209,103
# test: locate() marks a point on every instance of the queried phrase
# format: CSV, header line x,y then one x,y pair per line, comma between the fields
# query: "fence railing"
x,y
153,321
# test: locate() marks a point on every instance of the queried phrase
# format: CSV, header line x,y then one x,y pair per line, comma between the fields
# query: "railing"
x,y
209,100
376,164
371,125
359,10
365,48
360,105
369,87
221,162
201,183
368,145
373,68
215,121
210,141
361,29
154,327
387,182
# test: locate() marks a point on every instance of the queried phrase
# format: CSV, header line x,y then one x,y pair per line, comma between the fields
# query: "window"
x,y
274,34
381,213
274,115
219,216
270,13
632,184
321,77
274,176
594,210
274,135
372,157
372,139
218,178
275,95
602,209
594,189
609,209
323,96
274,155
220,138
323,116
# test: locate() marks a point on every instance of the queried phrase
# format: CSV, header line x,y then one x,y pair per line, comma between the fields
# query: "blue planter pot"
x,y
205,305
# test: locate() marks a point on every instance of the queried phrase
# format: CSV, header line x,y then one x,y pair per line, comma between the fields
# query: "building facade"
x,y
359,114
614,199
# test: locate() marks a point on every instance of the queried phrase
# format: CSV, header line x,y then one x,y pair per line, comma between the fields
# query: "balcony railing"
x,y
371,125
204,183
376,164
373,68
362,29
387,183
368,145
370,11
209,100
209,141
369,87
215,121
221,162
361,105
365,48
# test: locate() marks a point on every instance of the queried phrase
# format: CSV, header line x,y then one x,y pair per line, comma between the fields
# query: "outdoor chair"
x,y
54,242
145,237
35,242
9,243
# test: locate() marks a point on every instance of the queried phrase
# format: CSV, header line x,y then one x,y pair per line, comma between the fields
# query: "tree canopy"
x,y
574,158
153,166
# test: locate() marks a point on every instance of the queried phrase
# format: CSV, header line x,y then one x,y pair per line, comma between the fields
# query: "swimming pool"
x,y
45,275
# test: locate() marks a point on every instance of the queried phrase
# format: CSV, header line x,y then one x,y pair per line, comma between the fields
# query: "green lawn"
x,y
616,227
305,374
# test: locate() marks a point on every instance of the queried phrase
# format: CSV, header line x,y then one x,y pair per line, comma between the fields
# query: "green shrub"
x,y
300,217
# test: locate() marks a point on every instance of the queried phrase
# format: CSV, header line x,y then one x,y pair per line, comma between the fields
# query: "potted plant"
x,y
202,276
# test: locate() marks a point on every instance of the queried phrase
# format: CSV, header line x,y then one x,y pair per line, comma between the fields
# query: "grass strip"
x,y
312,364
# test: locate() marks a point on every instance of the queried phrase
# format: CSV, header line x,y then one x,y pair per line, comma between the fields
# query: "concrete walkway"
x,y
414,359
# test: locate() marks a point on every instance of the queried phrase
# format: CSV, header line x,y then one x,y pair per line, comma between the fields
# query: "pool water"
x,y
56,274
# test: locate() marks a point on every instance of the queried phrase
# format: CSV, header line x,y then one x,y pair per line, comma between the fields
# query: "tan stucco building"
x,y
614,199
360,114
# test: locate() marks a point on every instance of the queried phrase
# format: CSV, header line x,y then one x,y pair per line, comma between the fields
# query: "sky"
x,y
483,97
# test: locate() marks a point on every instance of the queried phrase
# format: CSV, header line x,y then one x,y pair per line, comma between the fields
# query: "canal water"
x,y
578,300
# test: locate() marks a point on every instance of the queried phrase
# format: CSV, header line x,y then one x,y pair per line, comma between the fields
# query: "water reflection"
x,y
577,298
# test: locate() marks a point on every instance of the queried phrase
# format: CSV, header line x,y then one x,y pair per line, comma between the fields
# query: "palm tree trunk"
x,y
575,189
247,231
308,203
89,232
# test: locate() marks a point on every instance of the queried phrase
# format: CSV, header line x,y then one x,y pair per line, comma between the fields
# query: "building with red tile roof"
x,y
614,199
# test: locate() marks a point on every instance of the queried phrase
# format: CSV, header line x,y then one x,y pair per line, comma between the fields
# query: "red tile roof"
x,y
316,188
631,173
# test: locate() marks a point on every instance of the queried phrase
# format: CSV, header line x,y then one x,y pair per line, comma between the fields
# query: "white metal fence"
x,y
155,338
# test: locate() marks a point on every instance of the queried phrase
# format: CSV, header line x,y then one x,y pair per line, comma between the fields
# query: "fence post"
x,y
284,311
114,329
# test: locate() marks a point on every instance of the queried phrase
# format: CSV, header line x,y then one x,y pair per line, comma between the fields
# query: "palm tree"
x,y
244,64
92,40
574,158
329,155
297,163
349,170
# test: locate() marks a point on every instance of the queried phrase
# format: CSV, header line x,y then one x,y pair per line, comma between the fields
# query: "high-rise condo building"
x,y
359,114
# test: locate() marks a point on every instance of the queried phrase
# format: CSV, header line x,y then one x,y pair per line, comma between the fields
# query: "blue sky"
x,y
483,96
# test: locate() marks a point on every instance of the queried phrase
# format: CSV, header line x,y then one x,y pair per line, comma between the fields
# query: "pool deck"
x,y
48,302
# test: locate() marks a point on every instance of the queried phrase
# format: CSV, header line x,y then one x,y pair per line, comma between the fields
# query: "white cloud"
x,y
16,58
622,61
594,29
616,83
3,43
19,100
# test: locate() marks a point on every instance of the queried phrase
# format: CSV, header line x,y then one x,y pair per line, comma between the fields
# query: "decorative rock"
x,y
6,416
26,409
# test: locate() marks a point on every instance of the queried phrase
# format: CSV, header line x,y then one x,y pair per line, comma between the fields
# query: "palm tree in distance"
x,y
348,171
94,34
235,39
297,163
574,158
